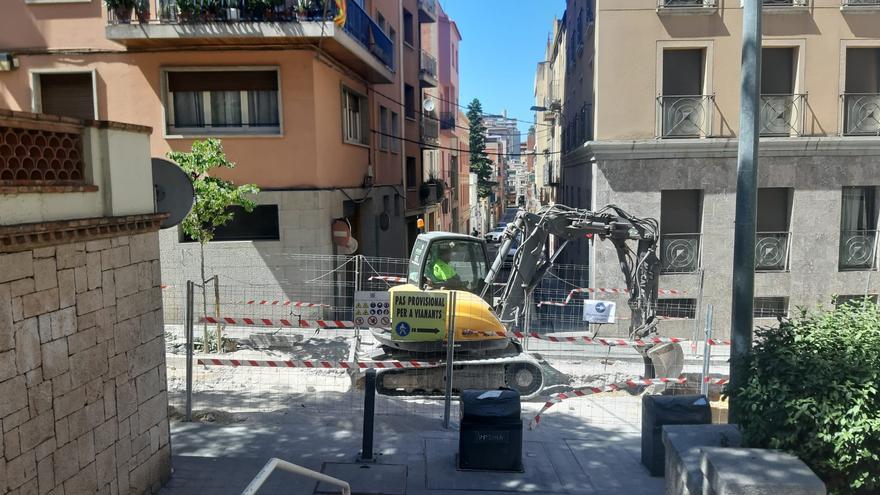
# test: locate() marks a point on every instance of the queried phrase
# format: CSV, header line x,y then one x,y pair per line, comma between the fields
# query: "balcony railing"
x,y
359,25
685,116
679,253
687,6
771,251
857,249
857,5
427,10
786,3
428,69
447,120
554,96
782,115
430,130
861,114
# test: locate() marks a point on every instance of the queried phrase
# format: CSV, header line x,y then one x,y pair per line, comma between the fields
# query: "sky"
x,y
502,43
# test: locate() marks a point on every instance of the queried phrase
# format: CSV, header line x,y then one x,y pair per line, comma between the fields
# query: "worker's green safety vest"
x,y
443,271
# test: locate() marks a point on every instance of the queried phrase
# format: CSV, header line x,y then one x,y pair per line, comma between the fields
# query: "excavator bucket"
x,y
667,360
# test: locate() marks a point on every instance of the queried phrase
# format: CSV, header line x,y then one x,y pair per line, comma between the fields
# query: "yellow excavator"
x,y
486,355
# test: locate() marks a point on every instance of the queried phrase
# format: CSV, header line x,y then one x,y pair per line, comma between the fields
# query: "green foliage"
x,y
214,196
480,163
119,4
812,391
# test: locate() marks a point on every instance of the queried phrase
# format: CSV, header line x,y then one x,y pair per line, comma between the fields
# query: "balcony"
x,y
553,101
861,114
432,192
685,116
428,11
360,44
860,6
554,176
430,128
782,115
786,6
447,121
428,70
679,253
771,251
687,7
858,249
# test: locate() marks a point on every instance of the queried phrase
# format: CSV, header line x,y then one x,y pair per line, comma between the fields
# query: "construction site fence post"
x,y
450,353
369,416
188,330
707,353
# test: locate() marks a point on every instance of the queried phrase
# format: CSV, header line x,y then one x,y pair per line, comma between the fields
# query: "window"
x,y
771,242
862,92
408,37
854,299
409,101
680,227
858,228
395,132
392,35
677,308
411,172
780,107
355,121
259,225
223,102
380,20
66,94
770,307
383,123
684,108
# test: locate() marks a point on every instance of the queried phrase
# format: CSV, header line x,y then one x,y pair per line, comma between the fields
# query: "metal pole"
x,y
873,257
698,315
188,330
217,313
746,198
707,352
450,354
369,416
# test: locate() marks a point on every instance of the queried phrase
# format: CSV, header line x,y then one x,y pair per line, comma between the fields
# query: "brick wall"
x,y
83,401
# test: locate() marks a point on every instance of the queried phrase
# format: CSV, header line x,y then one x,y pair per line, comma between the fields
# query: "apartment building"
x,y
549,92
323,118
664,127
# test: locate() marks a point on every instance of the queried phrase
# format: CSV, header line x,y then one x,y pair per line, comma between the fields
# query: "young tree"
x,y
480,163
213,197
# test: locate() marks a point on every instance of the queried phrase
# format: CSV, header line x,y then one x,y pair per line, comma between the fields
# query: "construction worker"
x,y
443,272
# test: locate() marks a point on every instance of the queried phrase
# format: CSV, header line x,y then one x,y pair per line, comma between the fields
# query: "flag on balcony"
x,y
340,18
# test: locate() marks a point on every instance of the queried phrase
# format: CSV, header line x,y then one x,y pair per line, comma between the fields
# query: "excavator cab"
x,y
443,260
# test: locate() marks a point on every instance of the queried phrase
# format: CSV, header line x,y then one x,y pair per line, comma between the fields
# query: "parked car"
x,y
495,234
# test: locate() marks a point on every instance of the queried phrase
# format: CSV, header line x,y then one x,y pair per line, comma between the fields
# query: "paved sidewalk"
x,y
566,454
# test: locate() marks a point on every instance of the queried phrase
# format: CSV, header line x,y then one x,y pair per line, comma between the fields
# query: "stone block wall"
x,y
83,400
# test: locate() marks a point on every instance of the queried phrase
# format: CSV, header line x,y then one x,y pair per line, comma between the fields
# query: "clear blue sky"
x,y
502,42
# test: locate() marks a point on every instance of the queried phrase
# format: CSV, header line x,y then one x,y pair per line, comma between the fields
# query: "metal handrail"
x,y
861,3
772,251
786,3
684,116
861,114
274,463
857,249
428,64
677,4
782,114
680,252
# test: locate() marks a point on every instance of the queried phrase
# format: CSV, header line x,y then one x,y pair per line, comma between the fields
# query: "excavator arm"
x,y
634,239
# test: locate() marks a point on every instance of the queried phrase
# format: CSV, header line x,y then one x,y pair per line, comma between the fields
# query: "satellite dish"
x,y
428,104
173,191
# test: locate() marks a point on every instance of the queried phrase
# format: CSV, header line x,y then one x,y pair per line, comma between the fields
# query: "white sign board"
x,y
599,311
372,309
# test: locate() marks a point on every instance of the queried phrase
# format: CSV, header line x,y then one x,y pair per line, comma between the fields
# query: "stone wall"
x,y
83,401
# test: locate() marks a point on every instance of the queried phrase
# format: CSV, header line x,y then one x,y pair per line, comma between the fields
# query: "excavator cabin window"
x,y
454,264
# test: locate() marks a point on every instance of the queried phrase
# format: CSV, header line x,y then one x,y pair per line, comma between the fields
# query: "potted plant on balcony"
x,y
187,10
121,9
256,9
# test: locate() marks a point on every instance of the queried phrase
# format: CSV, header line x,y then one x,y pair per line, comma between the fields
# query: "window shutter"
x,y
69,95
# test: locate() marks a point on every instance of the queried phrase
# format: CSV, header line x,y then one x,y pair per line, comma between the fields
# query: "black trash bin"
x,y
659,410
491,431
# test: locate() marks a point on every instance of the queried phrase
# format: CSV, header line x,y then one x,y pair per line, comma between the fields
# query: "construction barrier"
x,y
282,302
262,363
265,322
603,290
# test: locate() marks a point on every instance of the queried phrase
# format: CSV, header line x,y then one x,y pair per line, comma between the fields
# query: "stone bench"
x,y
683,445
756,472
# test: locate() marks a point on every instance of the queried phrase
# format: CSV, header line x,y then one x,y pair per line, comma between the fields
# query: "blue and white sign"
x,y
599,311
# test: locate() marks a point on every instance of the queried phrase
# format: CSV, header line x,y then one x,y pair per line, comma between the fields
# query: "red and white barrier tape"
x,y
583,339
602,290
264,322
389,278
262,363
282,302
614,387
718,342
716,381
